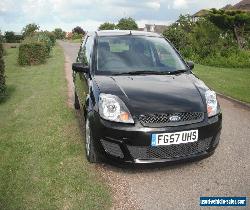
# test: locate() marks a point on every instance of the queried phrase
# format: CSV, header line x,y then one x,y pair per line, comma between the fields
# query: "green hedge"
x,y
2,74
31,53
36,48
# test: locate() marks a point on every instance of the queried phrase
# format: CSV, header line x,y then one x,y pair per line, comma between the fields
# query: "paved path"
x,y
226,173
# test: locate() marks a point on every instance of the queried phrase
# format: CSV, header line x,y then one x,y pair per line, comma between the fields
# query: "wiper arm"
x,y
178,71
143,72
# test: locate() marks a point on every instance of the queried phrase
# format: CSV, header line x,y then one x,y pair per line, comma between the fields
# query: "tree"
x,y
127,24
179,33
185,22
107,26
206,39
59,33
30,29
231,21
78,30
10,37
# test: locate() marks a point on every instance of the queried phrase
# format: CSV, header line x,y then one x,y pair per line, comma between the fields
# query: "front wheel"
x,y
89,144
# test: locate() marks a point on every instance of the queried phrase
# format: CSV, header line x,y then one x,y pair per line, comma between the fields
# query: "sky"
x,y
89,14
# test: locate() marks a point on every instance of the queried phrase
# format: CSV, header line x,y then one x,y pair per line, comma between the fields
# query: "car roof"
x,y
123,32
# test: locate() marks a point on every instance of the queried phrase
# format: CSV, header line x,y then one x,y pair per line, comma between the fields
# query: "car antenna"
x,y
130,33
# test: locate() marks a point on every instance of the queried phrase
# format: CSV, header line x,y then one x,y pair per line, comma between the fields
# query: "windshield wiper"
x,y
143,72
178,71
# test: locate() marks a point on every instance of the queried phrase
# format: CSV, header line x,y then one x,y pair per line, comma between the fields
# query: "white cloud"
x,y
14,14
180,4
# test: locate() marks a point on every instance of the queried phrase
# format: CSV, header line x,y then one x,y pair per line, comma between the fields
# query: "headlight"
x,y
212,104
112,108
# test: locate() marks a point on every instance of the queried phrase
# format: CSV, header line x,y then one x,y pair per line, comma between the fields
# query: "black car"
x,y
141,101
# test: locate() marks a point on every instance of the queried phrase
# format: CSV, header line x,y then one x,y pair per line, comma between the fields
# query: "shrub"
x,y
44,38
77,36
32,52
2,74
59,33
205,43
239,59
52,37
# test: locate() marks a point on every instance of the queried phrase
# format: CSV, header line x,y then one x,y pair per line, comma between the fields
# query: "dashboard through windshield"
x,y
126,54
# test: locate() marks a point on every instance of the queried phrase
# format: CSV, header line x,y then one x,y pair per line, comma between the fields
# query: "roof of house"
x,y
201,13
228,7
157,28
243,5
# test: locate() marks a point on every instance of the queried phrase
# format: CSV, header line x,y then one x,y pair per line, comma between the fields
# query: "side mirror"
x,y
79,67
190,64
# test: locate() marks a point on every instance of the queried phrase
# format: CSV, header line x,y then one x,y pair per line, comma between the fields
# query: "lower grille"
x,y
171,151
112,148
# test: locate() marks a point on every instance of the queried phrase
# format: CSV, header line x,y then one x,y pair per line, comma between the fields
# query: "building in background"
x,y
243,5
153,28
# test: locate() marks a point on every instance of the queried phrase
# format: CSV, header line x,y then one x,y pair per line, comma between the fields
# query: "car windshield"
x,y
136,54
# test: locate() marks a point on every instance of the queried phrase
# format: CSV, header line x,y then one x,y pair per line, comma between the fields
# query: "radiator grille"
x,y
161,120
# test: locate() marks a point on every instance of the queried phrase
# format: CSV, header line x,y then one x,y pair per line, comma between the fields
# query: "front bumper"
x,y
124,143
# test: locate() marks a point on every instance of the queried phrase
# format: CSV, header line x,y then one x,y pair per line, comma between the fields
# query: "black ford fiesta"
x,y
141,101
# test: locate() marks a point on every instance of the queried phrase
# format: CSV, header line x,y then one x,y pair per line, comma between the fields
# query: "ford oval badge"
x,y
174,118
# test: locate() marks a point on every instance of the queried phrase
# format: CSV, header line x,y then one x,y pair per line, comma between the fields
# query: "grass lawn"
x,y
42,162
228,81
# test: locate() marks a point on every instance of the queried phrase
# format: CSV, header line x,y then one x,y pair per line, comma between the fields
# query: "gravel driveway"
x,y
226,173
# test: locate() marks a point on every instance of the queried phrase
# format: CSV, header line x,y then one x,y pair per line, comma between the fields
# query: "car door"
x,y
81,79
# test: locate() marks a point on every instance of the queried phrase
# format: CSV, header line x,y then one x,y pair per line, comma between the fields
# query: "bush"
x,y
239,59
52,37
203,42
11,37
32,52
77,36
59,33
2,74
44,38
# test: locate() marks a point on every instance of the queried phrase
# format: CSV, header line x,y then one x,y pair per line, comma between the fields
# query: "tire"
x,y
89,144
76,103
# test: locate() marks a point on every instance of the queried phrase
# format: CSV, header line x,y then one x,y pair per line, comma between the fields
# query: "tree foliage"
x,y
9,37
78,30
59,33
234,21
30,29
107,26
207,42
127,24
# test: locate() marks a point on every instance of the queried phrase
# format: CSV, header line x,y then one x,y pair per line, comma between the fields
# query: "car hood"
x,y
155,93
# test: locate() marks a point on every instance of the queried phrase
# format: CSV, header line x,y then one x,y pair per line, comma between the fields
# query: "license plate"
x,y
174,138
